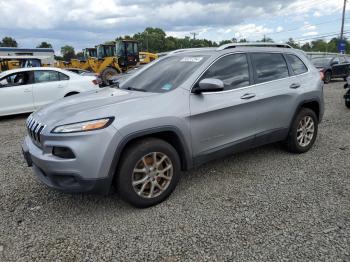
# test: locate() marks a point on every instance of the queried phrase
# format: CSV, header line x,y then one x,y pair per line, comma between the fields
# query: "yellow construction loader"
x,y
14,62
146,57
110,59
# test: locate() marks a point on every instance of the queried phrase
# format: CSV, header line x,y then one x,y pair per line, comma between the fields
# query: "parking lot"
x,y
260,205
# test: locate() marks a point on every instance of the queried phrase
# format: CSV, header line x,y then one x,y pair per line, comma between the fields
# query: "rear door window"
x,y
296,64
233,70
43,76
269,66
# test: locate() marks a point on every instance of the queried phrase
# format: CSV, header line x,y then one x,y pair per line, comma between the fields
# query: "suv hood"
x,y
78,106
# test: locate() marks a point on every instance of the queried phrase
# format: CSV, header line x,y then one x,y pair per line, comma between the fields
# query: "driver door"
x,y
224,119
16,93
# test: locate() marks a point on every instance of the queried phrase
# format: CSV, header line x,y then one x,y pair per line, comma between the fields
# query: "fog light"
x,y
63,152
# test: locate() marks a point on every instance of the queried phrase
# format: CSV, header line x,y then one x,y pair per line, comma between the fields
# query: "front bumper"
x,y
88,171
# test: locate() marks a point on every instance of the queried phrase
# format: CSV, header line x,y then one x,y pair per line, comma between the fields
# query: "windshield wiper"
x,y
135,89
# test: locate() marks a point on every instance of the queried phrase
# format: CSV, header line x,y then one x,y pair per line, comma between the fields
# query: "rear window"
x,y
297,65
269,66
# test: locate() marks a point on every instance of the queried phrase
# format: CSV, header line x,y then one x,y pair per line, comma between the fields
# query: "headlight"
x,y
84,126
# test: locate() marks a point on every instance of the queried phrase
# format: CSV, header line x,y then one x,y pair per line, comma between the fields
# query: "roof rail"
x,y
253,44
188,50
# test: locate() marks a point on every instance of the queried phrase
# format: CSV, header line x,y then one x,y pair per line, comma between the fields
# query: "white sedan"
x,y
27,89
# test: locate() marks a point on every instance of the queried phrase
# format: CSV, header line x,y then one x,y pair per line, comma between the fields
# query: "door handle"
x,y
248,96
60,86
294,85
27,90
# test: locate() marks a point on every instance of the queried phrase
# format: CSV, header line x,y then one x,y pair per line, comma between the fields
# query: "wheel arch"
x,y
313,104
170,134
70,93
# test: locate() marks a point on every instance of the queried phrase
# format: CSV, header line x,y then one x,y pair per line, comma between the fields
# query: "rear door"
x,y
275,93
16,93
48,86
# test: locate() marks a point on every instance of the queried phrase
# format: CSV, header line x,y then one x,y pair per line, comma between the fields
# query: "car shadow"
x,y
14,117
211,172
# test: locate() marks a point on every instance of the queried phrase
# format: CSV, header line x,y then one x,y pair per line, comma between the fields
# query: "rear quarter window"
x,y
296,64
269,66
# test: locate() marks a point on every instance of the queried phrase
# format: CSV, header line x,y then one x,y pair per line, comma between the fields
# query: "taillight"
x,y
321,75
95,82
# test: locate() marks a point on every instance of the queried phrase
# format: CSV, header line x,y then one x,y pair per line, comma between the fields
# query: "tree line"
x,y
155,40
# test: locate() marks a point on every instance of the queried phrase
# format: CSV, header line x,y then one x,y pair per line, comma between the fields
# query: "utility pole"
x,y
342,21
194,35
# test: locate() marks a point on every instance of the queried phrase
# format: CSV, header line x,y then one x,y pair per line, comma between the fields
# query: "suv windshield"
x,y
318,62
165,75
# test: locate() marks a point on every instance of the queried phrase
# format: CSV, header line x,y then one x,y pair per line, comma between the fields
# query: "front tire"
x,y
148,172
303,132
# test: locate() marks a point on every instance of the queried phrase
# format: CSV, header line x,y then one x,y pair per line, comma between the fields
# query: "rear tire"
x,y
303,132
148,172
107,74
347,104
327,77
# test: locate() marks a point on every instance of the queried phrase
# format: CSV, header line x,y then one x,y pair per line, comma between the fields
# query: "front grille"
x,y
35,128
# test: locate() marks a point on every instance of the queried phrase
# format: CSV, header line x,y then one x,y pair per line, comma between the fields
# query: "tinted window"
x,y
321,62
297,65
45,76
63,76
231,69
17,79
165,74
269,67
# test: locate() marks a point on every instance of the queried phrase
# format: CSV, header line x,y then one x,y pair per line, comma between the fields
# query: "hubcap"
x,y
152,175
305,131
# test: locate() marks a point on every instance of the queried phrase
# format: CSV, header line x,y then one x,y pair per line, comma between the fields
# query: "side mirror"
x,y
334,63
209,85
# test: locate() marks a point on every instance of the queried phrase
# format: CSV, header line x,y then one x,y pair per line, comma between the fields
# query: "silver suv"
x,y
174,114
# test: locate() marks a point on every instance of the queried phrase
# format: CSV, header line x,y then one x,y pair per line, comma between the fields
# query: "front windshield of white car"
x,y
166,74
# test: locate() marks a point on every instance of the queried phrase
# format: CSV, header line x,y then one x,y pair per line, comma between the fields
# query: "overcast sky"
x,y
84,23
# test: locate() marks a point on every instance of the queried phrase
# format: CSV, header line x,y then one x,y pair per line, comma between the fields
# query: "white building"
x,y
46,54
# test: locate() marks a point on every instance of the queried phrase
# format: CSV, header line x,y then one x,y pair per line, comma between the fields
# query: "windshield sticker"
x,y
167,87
191,59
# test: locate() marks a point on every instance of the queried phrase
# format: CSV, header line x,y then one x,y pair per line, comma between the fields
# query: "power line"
x,y
298,28
320,36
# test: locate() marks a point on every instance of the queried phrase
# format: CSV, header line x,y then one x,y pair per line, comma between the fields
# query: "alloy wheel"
x,y
152,175
305,131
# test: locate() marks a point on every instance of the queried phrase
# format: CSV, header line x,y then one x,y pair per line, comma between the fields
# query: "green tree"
x,y
152,40
8,42
266,40
306,47
224,42
319,45
80,55
292,43
44,45
67,52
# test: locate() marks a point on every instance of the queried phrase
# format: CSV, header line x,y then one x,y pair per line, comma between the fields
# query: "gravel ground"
x,y
260,205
